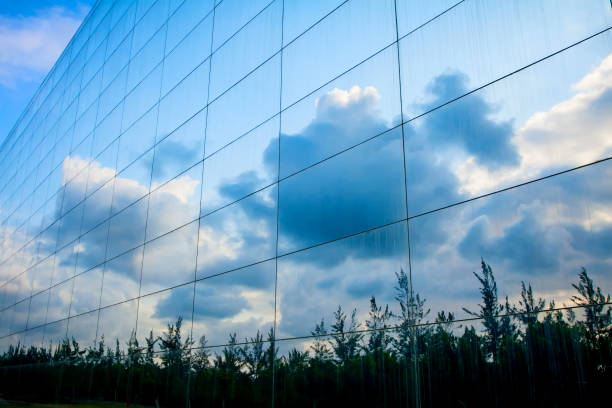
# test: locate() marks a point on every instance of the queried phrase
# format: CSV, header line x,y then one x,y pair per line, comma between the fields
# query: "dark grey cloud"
x,y
526,245
468,124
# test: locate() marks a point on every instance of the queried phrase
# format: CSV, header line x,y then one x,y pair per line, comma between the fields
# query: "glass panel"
x,y
239,234
64,260
127,228
300,15
20,316
255,98
250,163
541,234
33,337
236,387
146,59
43,272
255,43
38,309
82,330
170,260
122,24
175,203
59,301
157,311
154,321
87,288
500,48
351,34
94,63
350,193
133,182
239,303
97,209
180,150
361,104
143,7
313,284
117,323
54,334
184,20
151,21
411,15
84,124
526,126
188,54
121,279
230,15
319,378
90,91
112,96
143,97
70,226
116,62
7,321
107,131
137,139
184,101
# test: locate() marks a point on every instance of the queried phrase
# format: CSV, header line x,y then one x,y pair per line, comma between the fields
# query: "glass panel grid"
x,y
250,168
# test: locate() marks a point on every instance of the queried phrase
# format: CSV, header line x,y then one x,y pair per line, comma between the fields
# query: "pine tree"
x,y
508,330
175,351
134,353
229,361
150,349
297,360
201,357
319,346
529,307
253,355
598,318
345,342
379,339
490,309
412,315
272,351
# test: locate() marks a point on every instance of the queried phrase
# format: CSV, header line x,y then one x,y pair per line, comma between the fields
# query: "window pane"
x,y
243,107
250,163
526,126
483,44
239,234
240,302
170,260
361,104
352,33
355,191
541,234
312,284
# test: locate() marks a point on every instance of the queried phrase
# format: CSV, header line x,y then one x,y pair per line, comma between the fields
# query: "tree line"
x,y
531,352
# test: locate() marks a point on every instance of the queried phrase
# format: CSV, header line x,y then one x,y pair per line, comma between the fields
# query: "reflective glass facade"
x,y
251,165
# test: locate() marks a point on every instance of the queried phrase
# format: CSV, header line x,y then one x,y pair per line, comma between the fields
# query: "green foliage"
x,y
598,318
525,354
528,308
378,323
490,309
345,340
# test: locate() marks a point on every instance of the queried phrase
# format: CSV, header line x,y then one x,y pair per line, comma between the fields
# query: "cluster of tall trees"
x,y
531,352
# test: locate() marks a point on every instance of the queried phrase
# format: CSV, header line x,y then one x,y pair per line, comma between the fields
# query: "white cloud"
x,y
575,131
341,106
571,133
29,46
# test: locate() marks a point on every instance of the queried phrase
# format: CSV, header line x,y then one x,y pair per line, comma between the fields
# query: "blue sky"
x,y
33,34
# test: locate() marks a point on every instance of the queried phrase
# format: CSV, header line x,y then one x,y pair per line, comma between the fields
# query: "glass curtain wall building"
x,y
249,166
